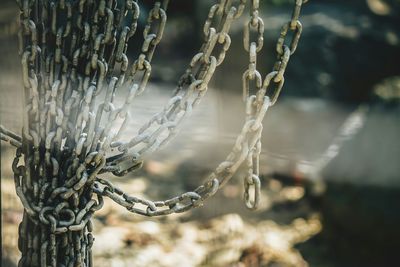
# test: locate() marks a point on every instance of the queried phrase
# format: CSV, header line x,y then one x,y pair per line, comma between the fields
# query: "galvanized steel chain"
x,y
74,60
247,147
273,81
247,140
10,137
71,51
192,86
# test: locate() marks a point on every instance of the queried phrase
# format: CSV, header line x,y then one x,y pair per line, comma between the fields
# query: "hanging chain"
x,y
74,60
70,52
192,86
247,147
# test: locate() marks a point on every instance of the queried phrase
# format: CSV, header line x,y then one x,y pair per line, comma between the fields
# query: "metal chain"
x,y
252,179
193,84
72,54
71,51
10,137
247,147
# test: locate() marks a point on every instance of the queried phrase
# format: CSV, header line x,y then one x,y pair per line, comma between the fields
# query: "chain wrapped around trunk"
x,y
74,62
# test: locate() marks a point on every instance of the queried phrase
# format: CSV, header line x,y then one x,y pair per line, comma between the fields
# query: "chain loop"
x,y
74,61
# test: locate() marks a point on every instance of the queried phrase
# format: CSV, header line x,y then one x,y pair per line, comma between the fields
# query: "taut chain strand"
x,y
74,61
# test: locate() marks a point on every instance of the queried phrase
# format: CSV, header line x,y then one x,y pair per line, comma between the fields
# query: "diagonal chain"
x,y
74,61
10,137
247,147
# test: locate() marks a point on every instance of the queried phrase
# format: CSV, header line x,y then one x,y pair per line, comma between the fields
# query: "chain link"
x,y
71,51
247,147
192,86
74,60
10,137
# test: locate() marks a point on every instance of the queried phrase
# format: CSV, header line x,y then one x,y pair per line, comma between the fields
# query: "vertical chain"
x,y
247,147
254,103
74,52
192,86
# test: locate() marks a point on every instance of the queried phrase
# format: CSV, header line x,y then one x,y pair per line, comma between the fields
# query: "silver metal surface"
x,y
74,62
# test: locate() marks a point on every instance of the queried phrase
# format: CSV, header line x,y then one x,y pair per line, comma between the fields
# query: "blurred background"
x,y
330,161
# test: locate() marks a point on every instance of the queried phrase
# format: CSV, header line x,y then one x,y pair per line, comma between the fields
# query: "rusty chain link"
x,y
74,60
